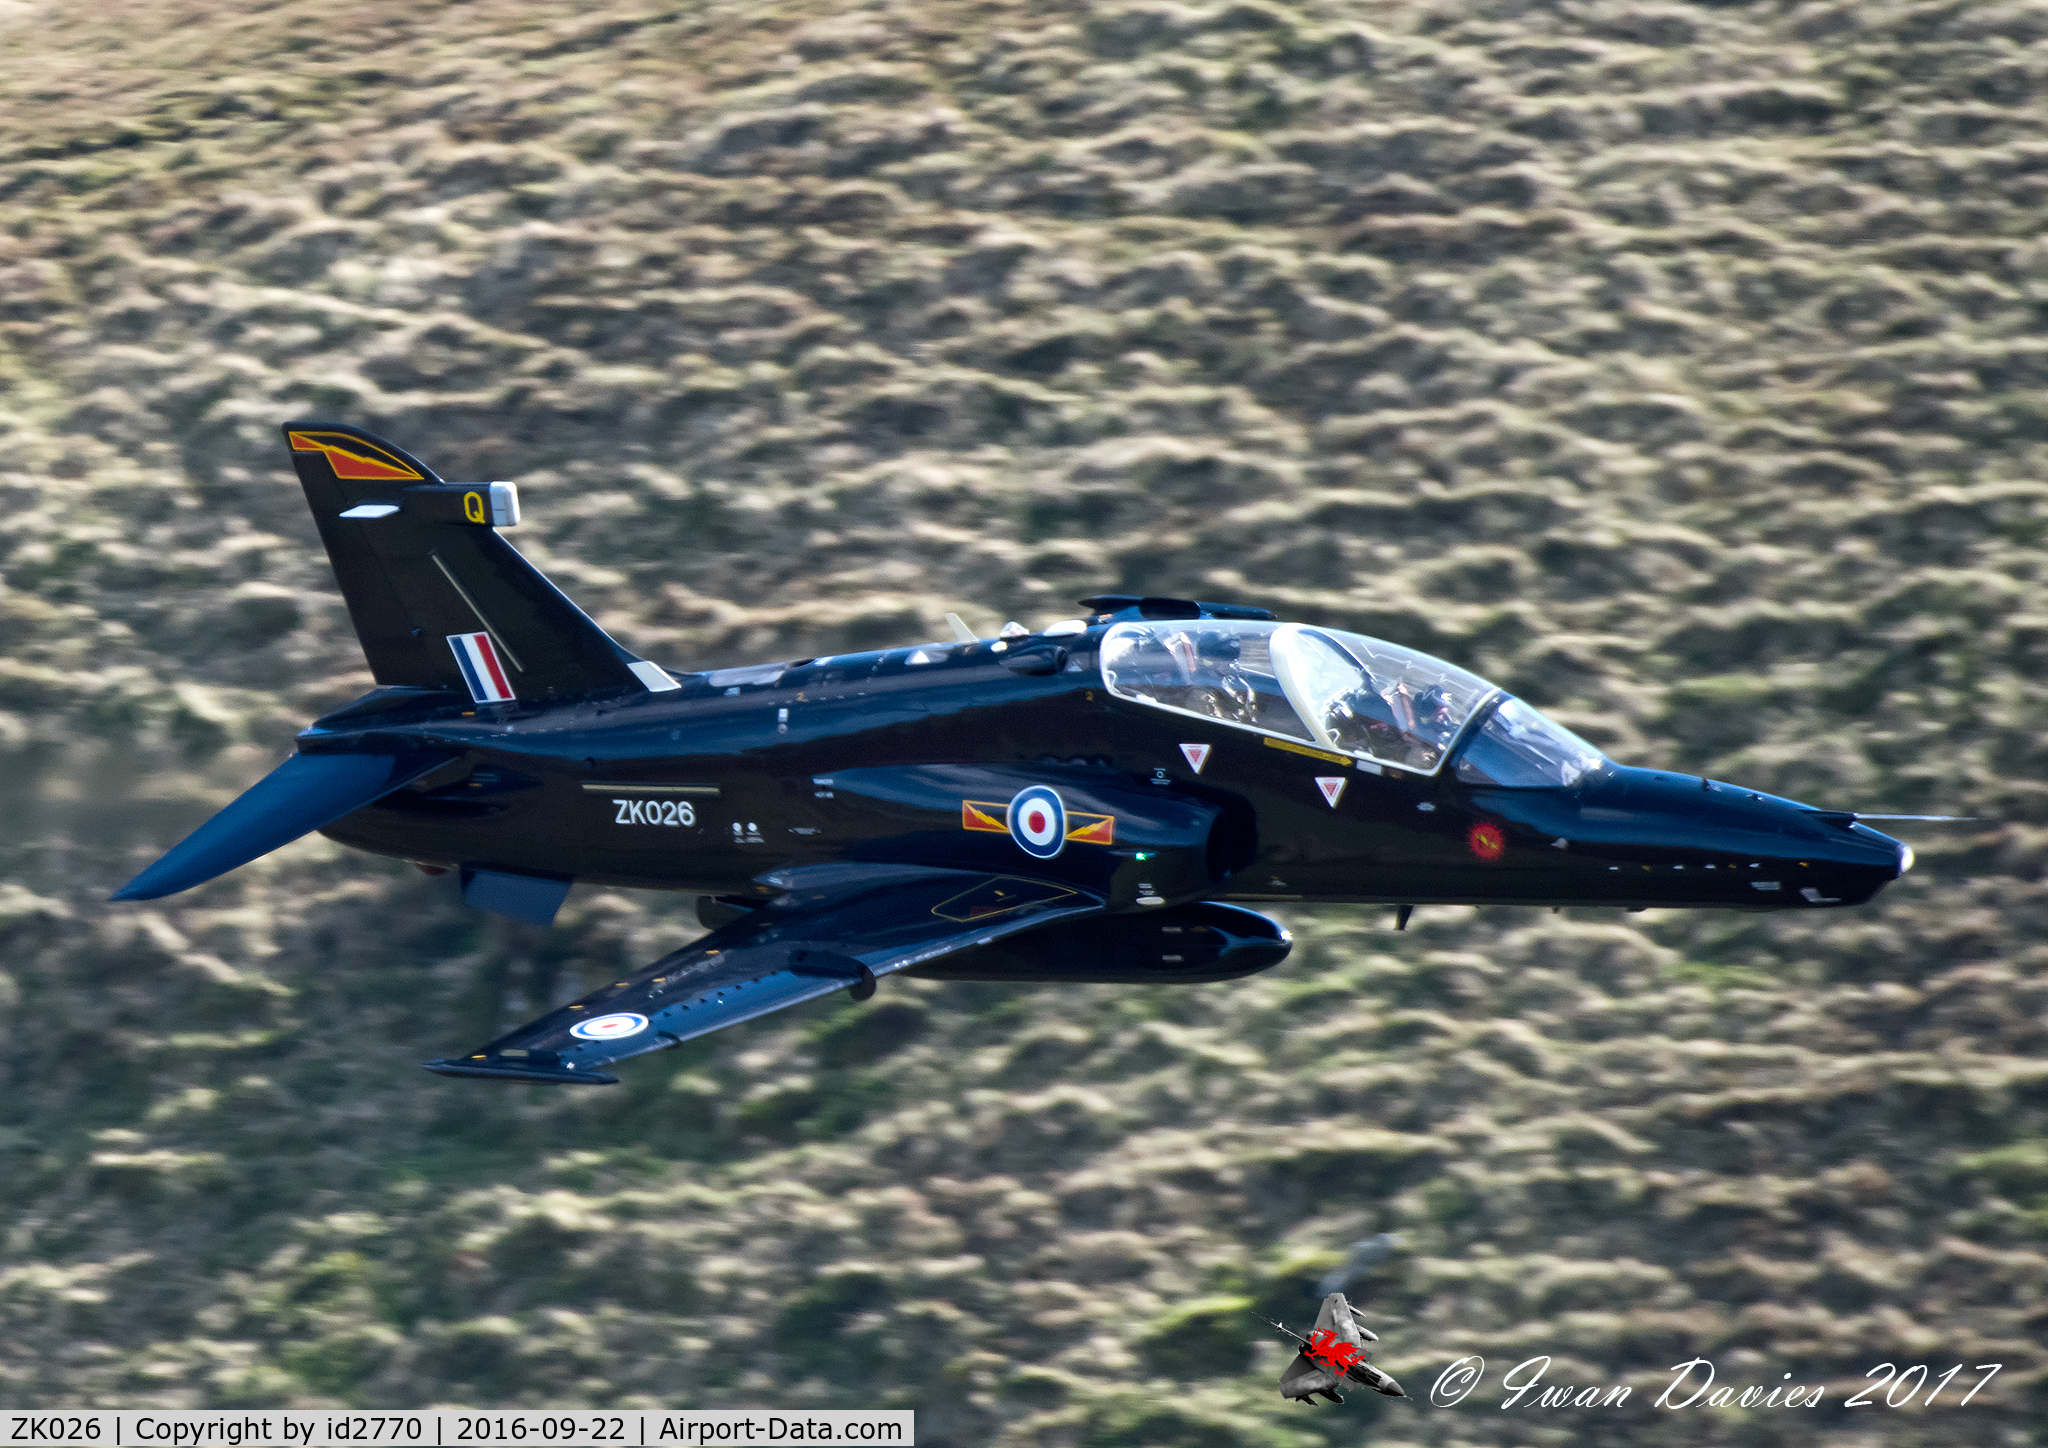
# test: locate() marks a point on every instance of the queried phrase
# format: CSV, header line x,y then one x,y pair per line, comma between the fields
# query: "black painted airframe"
x,y
1098,800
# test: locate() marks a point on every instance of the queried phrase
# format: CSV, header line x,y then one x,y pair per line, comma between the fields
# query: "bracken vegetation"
x,y
1678,366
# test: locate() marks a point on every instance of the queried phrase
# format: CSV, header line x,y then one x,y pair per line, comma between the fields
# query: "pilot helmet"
x,y
1218,644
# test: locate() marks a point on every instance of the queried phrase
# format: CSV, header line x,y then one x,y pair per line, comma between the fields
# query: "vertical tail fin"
x,y
438,599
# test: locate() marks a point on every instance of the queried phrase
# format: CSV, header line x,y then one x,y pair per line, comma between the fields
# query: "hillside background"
x,y
1679,366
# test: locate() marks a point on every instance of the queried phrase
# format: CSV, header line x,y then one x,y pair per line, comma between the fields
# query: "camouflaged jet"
x,y
1334,1352
1106,798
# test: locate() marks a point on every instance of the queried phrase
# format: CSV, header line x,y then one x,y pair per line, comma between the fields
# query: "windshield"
x,y
1341,691
1517,748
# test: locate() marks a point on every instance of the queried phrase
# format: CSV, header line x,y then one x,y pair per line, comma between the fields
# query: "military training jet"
x,y
1098,800
1334,1352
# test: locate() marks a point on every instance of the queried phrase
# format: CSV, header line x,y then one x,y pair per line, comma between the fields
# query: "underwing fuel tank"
x,y
1183,946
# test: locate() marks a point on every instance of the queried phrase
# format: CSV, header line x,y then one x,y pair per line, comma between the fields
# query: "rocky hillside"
x,y
1678,366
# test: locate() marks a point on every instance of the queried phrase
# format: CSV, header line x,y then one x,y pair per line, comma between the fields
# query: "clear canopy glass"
x,y
1346,693
1340,691
1518,748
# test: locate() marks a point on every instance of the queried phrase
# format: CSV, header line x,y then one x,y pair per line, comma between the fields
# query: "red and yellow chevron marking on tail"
x,y
992,817
355,460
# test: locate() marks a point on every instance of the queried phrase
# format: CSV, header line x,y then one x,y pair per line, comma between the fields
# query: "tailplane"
x,y
305,793
438,599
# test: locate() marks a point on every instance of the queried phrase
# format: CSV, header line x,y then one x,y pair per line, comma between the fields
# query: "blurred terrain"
x,y
1677,366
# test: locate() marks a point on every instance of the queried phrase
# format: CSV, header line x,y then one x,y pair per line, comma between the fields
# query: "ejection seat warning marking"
x,y
1197,755
991,817
460,1428
1293,748
1333,789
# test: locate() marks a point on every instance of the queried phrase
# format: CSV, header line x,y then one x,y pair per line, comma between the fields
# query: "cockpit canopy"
x,y
1345,693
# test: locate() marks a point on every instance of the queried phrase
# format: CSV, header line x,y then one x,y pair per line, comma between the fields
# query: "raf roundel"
x,y
1038,821
610,1028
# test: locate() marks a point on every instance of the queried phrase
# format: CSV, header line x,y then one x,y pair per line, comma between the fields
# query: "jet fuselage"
x,y
872,757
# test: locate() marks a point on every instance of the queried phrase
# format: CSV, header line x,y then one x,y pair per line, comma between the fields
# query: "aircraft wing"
x,y
833,926
1305,1376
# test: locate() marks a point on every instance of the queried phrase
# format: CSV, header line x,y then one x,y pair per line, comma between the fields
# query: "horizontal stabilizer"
x,y
301,795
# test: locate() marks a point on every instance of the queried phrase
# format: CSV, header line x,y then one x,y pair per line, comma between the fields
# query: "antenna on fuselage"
x,y
1953,819
961,631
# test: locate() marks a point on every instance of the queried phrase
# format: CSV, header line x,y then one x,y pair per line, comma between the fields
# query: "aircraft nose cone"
x,y
1705,805
1823,857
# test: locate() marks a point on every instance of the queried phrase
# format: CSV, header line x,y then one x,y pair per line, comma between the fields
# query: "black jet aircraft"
x,y
1099,800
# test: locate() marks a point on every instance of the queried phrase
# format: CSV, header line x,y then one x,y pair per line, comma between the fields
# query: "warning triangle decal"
x,y
1197,755
1331,788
